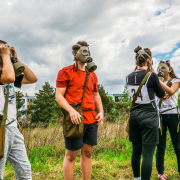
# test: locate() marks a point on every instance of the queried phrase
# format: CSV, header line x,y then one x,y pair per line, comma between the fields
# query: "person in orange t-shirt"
x,y
69,90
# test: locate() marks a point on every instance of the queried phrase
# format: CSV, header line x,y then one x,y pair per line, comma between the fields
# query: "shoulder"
x,y
154,75
66,70
93,74
174,80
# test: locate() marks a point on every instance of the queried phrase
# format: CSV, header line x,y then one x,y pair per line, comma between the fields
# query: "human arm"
x,y
8,75
99,106
29,76
170,90
74,115
159,91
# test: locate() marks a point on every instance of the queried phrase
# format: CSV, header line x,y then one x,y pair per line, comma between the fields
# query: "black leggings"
x,y
171,121
147,152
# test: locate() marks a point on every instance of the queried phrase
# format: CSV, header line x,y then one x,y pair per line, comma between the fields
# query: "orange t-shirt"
x,y
74,80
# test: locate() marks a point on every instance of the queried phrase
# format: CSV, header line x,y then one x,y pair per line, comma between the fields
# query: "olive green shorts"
x,y
144,127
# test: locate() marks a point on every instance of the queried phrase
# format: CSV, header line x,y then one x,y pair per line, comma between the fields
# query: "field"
x,y
111,158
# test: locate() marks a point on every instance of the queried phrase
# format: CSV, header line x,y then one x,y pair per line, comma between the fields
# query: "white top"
x,y
11,115
143,97
170,102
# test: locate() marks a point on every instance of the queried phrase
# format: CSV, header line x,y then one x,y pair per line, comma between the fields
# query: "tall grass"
x,y
111,158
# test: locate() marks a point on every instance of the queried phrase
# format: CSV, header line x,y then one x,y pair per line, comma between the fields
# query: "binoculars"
x,y
18,67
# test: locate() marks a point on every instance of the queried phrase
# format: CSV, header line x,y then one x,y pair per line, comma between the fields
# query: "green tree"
x,y
107,102
179,100
125,97
19,103
44,107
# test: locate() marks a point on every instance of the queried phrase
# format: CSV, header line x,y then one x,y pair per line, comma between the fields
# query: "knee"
x,y
70,158
86,154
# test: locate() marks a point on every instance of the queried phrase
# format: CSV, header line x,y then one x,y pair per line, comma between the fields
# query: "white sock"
x,y
159,175
139,178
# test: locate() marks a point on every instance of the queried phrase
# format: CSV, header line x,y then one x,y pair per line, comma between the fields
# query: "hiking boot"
x,y
162,177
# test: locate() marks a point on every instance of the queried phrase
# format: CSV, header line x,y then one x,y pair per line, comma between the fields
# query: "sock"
x,y
159,175
139,178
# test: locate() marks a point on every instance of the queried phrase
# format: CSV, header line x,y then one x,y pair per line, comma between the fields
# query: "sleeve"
x,y
95,83
157,86
175,80
18,80
62,79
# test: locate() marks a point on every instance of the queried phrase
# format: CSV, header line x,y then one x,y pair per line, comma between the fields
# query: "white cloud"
x,y
43,33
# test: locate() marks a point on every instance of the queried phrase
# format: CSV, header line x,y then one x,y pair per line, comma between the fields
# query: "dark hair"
x,y
140,61
172,73
82,43
3,42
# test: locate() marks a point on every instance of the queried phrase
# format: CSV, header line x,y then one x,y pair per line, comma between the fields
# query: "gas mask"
x,y
141,53
163,70
84,56
18,67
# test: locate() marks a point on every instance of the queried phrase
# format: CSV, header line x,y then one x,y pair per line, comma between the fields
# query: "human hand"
x,y
14,52
166,96
75,116
4,50
100,117
150,68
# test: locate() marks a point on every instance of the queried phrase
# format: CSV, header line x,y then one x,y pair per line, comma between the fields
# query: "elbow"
x,y
171,93
8,80
35,79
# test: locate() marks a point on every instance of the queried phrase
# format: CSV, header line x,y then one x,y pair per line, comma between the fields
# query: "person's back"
x,y
144,120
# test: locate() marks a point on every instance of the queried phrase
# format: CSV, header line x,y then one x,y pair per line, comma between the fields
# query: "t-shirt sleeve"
x,y
175,80
62,79
157,86
18,81
95,83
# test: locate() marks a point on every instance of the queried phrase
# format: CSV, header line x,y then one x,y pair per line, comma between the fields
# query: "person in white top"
x,y
169,115
14,151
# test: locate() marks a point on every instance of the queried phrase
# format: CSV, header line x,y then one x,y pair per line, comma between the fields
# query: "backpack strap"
x,y
160,102
85,85
5,108
139,89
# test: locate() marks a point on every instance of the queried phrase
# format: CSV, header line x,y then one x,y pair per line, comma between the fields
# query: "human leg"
x,y
86,161
160,152
68,164
147,153
8,143
136,158
172,125
89,140
18,157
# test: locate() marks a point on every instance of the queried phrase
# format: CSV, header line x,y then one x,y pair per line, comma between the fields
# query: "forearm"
x,y
8,75
29,75
63,102
98,103
167,89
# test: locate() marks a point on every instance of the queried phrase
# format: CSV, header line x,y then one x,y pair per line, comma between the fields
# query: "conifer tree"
x,y
44,107
19,103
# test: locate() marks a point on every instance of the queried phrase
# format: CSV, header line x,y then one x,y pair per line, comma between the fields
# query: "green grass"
x,y
111,160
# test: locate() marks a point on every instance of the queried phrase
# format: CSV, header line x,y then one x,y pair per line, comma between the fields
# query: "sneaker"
x,y
162,177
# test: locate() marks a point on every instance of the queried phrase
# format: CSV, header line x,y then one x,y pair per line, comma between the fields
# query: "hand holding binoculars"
x,y
18,67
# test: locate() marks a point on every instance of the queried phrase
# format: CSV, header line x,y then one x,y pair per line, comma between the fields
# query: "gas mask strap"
x,y
141,52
